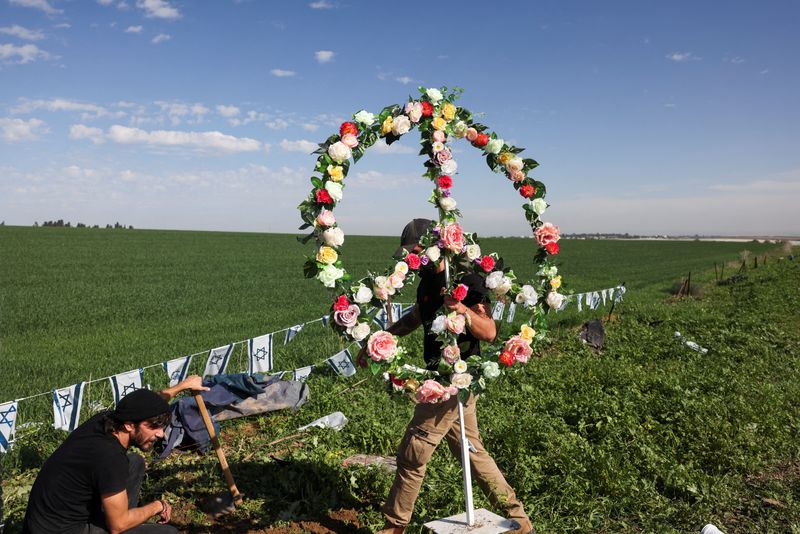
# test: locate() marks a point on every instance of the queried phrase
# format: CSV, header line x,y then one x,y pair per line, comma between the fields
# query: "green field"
x,y
648,436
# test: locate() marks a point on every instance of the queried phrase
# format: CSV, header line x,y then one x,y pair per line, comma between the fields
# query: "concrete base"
x,y
485,523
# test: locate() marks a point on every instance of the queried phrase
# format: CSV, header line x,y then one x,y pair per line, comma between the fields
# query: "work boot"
x,y
389,529
523,527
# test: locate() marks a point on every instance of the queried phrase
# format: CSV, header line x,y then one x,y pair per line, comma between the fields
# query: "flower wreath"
x,y
438,120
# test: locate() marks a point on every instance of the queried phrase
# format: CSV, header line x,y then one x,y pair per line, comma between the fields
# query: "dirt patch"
x,y
786,472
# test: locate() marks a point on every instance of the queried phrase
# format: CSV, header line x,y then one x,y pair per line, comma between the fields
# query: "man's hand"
x,y
192,382
454,305
166,514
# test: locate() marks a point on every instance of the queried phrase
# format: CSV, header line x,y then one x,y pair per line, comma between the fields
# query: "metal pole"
x,y
466,466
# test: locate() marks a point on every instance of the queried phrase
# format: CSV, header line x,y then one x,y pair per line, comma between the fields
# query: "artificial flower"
x,y
527,296
448,111
461,380
433,253
547,233
386,127
507,359
481,140
459,129
434,94
519,348
335,190
401,125
333,237
427,109
490,370
382,346
555,300
538,205
350,140
487,263
551,248
447,203
527,190
323,197
555,283
336,172
413,110
449,167
455,323
473,252
327,255
460,366
444,182
347,318
439,136
341,303
364,117
360,331
460,292
329,274
451,353
326,218
453,237
348,128
439,123
527,333
413,261
494,146
438,324
339,152
363,294
401,267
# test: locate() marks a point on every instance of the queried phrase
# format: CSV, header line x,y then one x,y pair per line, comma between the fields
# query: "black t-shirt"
x,y
430,299
67,491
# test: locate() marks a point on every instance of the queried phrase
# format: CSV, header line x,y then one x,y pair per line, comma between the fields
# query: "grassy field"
x,y
648,436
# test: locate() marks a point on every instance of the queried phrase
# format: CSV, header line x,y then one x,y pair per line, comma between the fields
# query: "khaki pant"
x,y
431,423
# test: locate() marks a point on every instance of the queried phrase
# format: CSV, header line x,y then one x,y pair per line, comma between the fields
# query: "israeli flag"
x,y
302,373
67,407
177,369
512,308
382,317
604,294
291,332
622,291
407,309
564,303
8,422
579,300
497,312
218,360
611,293
125,383
342,363
325,319
595,300
259,354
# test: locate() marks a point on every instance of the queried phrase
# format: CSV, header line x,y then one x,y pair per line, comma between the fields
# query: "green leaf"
x,y
374,367
310,269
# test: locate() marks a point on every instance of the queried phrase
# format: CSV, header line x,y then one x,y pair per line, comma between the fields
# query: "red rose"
x,y
487,263
481,140
551,248
527,190
427,109
399,382
341,303
507,359
460,292
445,182
348,128
323,197
413,261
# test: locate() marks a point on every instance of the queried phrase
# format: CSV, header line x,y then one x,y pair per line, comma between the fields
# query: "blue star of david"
x,y
343,365
261,353
130,388
4,416
215,359
66,400
176,375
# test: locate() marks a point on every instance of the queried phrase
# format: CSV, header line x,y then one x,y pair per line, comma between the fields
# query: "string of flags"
x,y
67,401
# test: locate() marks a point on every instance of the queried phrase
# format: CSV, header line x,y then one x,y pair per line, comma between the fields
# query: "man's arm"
x,y
120,518
407,323
190,382
480,324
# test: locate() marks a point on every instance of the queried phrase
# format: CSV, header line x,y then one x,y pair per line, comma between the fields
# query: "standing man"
x,y
433,422
91,483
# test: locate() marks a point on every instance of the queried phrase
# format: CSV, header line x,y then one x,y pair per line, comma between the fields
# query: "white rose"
x,y
449,167
360,331
447,203
334,189
460,129
414,111
538,205
473,252
490,369
494,279
528,296
434,94
363,295
329,274
549,272
401,267
438,146
439,324
460,366
364,117
495,146
504,286
433,253
333,237
554,300
382,281
339,152
515,164
461,380
401,125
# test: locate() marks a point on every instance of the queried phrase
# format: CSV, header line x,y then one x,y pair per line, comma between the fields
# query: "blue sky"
x,y
678,117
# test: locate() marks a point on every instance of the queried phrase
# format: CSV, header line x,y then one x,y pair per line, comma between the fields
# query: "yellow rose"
x,y
439,123
336,172
386,127
449,111
527,333
505,157
326,255
555,283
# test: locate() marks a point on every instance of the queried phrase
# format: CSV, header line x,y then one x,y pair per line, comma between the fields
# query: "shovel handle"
x,y
237,497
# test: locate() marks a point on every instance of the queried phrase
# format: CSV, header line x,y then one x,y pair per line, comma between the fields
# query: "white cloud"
x,y
324,56
177,112
682,57
281,73
158,9
228,111
735,60
23,33
134,29
43,5
321,4
80,131
300,145
277,124
760,187
381,180
310,127
10,53
405,80
105,2
160,38
380,147
59,104
214,140
63,25
22,130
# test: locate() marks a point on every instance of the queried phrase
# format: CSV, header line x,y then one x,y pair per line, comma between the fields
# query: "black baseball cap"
x,y
140,405
411,235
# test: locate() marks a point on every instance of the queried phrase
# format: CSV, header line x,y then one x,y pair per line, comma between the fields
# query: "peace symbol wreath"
x,y
438,120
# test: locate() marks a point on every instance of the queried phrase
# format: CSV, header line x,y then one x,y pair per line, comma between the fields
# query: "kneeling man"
x,y
90,485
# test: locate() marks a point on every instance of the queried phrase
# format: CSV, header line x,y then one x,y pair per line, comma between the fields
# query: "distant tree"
x,y
80,225
108,226
35,224
130,227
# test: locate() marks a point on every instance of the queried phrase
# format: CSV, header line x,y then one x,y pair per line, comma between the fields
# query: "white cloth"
x,y
497,311
259,354
177,369
217,360
67,407
291,332
302,373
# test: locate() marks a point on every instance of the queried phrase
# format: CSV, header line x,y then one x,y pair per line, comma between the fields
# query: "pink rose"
x,y
413,110
439,136
382,293
453,237
451,353
347,318
472,134
442,156
455,323
326,218
396,279
515,175
350,140
518,348
432,391
382,346
546,234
